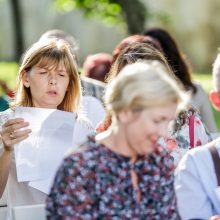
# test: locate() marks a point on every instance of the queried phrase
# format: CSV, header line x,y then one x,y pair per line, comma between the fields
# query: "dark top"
x,y
4,105
95,183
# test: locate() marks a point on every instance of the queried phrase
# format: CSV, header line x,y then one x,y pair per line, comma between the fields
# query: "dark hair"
x,y
174,57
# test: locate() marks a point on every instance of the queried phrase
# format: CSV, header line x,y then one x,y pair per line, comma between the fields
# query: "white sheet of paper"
x,y
39,156
42,185
80,135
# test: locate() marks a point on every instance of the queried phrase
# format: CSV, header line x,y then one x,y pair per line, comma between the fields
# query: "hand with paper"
x,y
11,133
38,156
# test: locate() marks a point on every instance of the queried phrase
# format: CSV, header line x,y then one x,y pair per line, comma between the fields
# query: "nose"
x,y
52,80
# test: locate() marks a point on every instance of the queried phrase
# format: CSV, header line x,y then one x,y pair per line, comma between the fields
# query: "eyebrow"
x,y
166,118
48,69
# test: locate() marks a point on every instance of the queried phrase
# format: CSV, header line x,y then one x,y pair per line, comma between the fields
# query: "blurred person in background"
x,y
6,96
214,94
197,180
97,66
177,62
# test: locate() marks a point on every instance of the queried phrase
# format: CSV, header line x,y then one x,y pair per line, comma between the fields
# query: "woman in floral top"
x,y
122,173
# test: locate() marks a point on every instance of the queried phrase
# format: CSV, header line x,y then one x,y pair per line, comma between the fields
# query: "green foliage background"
x,y
120,13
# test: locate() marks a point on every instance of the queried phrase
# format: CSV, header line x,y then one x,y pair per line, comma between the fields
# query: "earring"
x,y
27,86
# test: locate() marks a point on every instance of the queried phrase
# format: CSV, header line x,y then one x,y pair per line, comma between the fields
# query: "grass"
x,y
8,73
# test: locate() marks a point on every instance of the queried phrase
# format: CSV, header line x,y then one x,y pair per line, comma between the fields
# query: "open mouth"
x,y
52,93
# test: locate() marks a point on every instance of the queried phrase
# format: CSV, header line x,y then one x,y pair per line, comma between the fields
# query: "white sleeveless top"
x,y
20,193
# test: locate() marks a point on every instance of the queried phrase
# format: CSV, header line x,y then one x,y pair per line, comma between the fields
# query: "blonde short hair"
x,y
142,85
49,53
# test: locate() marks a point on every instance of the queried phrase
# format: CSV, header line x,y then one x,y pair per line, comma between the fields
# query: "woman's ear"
x,y
125,116
25,79
214,97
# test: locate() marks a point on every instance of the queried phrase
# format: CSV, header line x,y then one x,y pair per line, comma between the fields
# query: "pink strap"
x,y
191,131
216,161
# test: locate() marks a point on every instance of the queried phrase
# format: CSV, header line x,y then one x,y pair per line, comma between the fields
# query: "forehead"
x,y
50,63
166,111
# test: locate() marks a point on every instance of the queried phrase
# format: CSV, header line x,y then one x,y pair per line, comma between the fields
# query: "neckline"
x,y
113,153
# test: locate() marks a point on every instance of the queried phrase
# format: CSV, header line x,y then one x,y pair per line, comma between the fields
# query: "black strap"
x,y
216,161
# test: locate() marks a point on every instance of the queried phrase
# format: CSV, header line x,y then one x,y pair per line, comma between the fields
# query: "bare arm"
x,y
5,161
10,136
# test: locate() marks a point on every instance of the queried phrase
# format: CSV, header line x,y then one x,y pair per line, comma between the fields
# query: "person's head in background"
x,y
214,94
96,66
175,58
60,34
142,100
136,51
132,53
133,39
48,77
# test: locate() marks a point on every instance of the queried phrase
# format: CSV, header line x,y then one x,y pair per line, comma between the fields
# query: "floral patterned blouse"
x,y
95,183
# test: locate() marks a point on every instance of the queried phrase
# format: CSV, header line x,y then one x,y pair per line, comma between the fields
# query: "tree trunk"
x,y
135,14
18,31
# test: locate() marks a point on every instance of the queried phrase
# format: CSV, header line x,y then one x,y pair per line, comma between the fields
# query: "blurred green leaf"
x,y
109,11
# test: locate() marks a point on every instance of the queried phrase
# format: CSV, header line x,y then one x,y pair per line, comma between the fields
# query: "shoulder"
x,y
199,87
92,82
163,159
182,118
195,159
6,115
90,100
202,151
86,156
197,84
91,103
92,87
197,152
83,122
